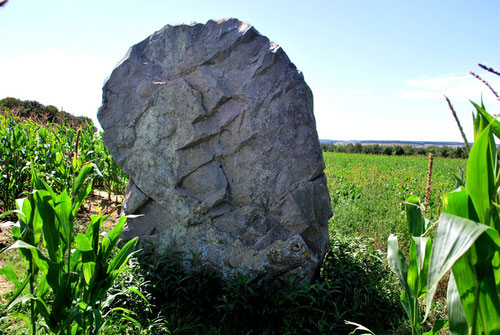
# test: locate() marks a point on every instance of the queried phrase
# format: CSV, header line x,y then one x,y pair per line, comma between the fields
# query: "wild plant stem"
x,y
467,147
485,83
489,69
428,188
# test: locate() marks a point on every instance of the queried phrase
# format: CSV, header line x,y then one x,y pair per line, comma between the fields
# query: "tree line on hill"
x,y
39,113
396,150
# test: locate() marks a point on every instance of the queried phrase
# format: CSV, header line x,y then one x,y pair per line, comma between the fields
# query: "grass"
x,y
367,191
356,285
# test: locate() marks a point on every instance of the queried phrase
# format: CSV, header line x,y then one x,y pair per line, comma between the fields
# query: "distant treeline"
x,y
396,150
37,112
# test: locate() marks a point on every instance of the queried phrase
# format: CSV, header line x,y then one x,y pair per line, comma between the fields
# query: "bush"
x,y
39,113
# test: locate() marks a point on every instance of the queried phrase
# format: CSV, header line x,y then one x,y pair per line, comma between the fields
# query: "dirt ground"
x,y
109,205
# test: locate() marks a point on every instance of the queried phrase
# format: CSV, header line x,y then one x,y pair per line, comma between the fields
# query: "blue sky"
x,y
378,69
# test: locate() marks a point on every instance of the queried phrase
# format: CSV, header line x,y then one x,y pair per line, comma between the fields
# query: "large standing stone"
x,y
215,127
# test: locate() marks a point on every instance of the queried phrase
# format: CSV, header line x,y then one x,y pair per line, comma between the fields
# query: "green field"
x,y
355,284
367,191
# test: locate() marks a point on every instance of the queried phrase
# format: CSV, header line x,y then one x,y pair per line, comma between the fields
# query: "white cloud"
x,y
453,86
458,88
55,77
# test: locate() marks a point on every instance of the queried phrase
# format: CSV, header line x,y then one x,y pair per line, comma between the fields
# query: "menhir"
x,y
215,127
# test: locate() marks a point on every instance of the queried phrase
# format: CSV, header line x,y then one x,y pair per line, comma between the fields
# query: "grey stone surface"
x,y
215,127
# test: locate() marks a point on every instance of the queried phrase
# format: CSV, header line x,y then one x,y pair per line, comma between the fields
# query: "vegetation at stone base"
x,y
368,192
443,151
39,113
56,151
355,284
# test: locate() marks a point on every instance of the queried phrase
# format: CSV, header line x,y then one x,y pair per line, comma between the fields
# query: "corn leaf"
x,y
38,257
454,237
123,255
18,292
21,300
495,124
11,276
460,204
420,251
398,265
80,180
80,198
42,288
63,214
480,175
45,207
93,230
458,322
360,328
125,314
83,243
112,237
478,285
414,217
63,295
42,309
88,271
8,213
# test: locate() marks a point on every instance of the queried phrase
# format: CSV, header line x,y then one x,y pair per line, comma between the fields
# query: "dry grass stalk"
x,y
486,83
76,144
489,69
428,188
467,147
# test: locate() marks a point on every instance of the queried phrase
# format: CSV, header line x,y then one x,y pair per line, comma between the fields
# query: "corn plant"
x,y
67,276
57,152
413,275
467,240
15,145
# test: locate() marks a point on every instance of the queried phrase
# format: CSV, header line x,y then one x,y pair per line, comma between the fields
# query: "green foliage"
x,y
467,240
396,150
412,275
10,103
367,192
67,276
57,152
355,284
37,112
